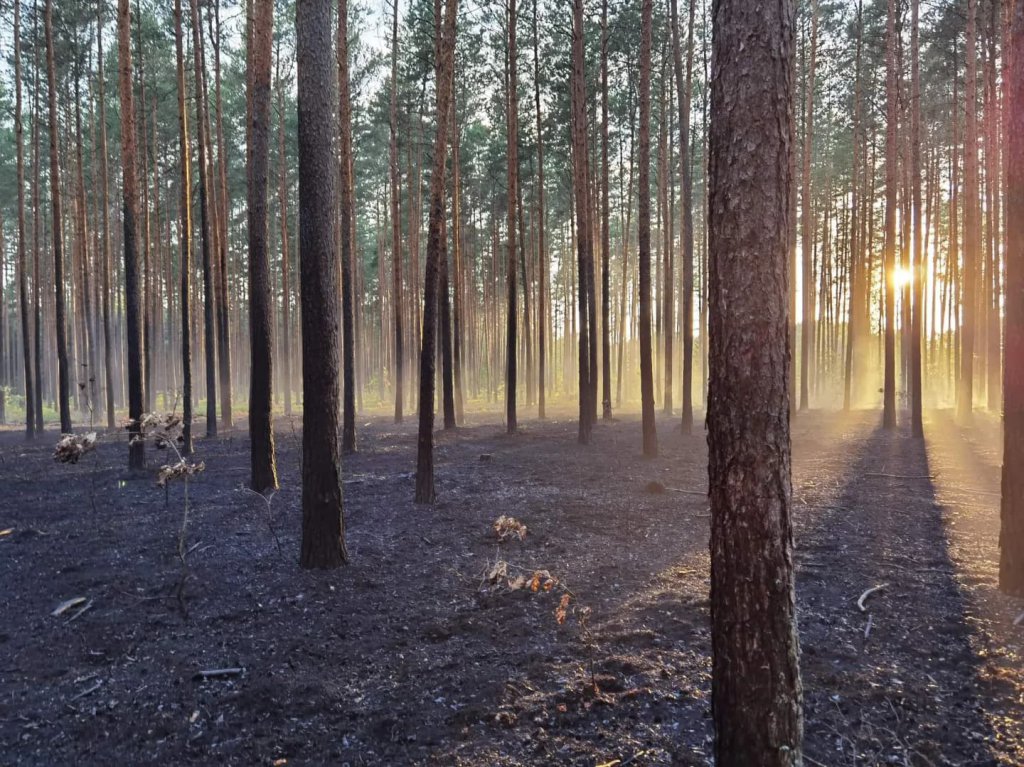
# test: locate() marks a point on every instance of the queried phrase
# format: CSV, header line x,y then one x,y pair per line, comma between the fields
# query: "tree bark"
x,y
261,321
347,212
445,49
323,529
584,243
396,227
132,288
650,436
512,108
184,234
756,691
63,392
209,287
1011,533
889,250
26,337
965,401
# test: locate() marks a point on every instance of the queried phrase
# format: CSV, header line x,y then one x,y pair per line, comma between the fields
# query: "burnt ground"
x,y
409,656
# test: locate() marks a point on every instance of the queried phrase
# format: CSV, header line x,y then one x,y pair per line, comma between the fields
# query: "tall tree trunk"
x,y
965,402
756,691
323,528
606,347
184,233
807,222
584,242
104,245
220,267
209,286
282,202
261,306
1011,533
26,337
542,257
132,288
445,51
37,289
397,298
512,109
918,276
650,436
63,391
348,438
889,252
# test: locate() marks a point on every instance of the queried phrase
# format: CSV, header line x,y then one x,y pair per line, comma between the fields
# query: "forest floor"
x,y
411,656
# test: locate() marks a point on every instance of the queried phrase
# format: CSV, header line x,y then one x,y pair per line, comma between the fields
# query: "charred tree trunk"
x,y
584,243
1011,533
650,436
26,338
889,252
756,691
965,402
63,392
209,287
445,48
323,528
261,308
132,287
184,234
512,103
345,192
917,273
396,227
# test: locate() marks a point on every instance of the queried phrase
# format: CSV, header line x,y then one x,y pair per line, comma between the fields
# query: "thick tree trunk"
x,y
1011,534
756,692
323,530
445,48
261,319
650,436
63,391
132,288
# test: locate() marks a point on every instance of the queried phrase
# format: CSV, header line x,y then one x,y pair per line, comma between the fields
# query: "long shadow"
x,y
896,681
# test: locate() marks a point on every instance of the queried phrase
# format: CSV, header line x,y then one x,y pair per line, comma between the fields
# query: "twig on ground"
x,y
80,610
87,691
866,594
218,673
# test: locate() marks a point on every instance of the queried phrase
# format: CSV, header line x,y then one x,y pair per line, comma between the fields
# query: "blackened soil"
x,y
410,656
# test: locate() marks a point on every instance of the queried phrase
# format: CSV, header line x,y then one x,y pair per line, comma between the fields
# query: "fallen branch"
x,y
87,691
63,607
78,613
866,594
218,673
1018,620
867,628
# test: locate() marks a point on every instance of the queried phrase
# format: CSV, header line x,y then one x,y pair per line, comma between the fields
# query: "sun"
x,y
902,276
